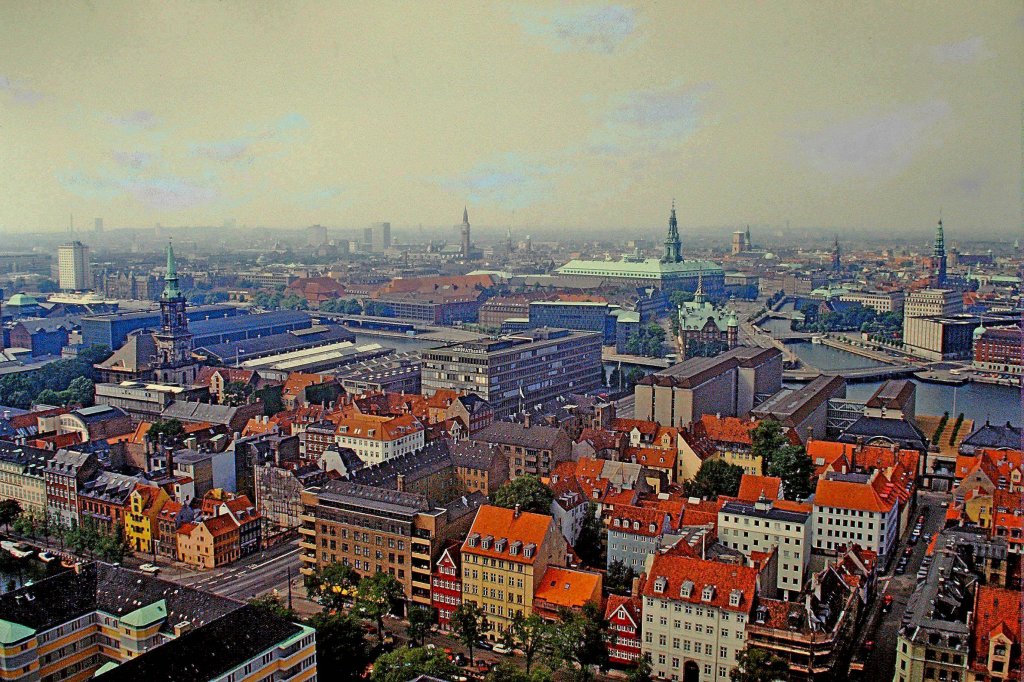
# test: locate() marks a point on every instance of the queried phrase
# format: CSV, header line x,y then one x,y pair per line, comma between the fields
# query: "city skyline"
x,y
589,116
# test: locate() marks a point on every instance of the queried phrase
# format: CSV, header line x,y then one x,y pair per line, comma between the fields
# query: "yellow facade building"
x,y
140,522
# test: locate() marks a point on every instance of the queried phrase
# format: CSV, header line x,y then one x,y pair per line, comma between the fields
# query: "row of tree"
x,y
647,340
86,538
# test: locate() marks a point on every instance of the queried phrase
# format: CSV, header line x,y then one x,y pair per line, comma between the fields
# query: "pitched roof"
x,y
568,588
753,488
512,433
669,573
852,494
638,521
996,611
631,606
498,523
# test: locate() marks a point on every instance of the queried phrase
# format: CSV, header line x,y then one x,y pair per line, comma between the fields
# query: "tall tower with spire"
x,y
837,263
174,343
673,247
939,258
467,244
699,297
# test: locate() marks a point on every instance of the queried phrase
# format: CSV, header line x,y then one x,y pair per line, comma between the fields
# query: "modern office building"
x,y
942,337
377,237
879,301
73,268
577,315
999,350
932,302
512,372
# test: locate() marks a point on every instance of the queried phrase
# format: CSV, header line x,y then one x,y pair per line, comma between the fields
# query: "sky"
x,y
580,116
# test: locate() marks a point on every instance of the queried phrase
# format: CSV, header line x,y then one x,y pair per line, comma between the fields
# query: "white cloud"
x,y
964,52
590,28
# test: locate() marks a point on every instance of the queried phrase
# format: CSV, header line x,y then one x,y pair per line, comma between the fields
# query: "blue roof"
x,y
219,325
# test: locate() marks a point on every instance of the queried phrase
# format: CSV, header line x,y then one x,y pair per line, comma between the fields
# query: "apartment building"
x,y
64,474
695,613
141,522
377,530
446,586
767,525
634,533
504,557
531,450
378,438
933,302
856,508
511,372
22,471
128,626
879,301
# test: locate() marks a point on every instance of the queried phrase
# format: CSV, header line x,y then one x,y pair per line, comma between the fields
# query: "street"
x,y
881,661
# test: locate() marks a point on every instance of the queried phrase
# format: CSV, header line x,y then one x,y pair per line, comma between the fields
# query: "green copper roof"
x,y
12,633
107,667
171,278
22,299
650,268
146,616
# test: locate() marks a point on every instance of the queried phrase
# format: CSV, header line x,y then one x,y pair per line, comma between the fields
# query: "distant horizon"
x,y
576,117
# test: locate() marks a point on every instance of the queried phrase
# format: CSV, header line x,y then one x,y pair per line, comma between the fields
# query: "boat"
x,y
817,339
68,563
21,550
47,557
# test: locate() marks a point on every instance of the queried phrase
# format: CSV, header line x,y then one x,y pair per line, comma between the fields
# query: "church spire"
x,y
673,247
465,215
698,296
836,262
939,257
171,289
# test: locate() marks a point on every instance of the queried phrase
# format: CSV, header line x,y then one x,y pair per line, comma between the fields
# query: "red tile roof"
x,y
631,607
499,523
564,587
652,457
648,522
873,496
671,572
997,612
753,488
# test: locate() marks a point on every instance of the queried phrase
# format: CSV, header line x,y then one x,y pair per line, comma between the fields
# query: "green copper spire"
x,y
171,289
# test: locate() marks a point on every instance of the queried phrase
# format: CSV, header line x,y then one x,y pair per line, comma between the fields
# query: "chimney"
x,y
170,461
810,434
634,589
515,512
401,483
526,419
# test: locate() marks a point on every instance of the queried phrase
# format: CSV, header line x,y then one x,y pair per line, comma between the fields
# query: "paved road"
x,y
256,575
881,662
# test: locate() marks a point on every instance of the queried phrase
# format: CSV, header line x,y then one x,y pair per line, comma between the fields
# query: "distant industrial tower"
x,y
467,244
174,343
939,259
673,247
73,266
837,263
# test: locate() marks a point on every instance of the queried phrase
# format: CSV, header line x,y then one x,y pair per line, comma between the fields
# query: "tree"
x,y
590,543
766,439
757,665
403,665
795,468
528,492
168,431
678,298
272,604
420,618
237,393
469,622
10,510
533,636
619,578
506,671
581,639
376,596
340,646
715,477
646,340
641,672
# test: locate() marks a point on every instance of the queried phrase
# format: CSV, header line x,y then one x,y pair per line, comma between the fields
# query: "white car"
x,y
500,648
152,569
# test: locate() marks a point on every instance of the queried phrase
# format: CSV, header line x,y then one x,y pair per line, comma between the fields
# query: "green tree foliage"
x,y
10,510
634,375
237,393
469,622
274,606
641,672
63,382
695,348
349,306
795,468
376,596
758,665
89,539
647,341
590,543
528,492
766,439
420,618
678,298
293,302
619,578
403,665
506,671
333,585
340,646
377,309
581,640
170,432
850,317
715,477
532,635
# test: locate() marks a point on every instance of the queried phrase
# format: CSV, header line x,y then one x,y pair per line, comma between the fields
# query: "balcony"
x,y
311,532
307,545
307,518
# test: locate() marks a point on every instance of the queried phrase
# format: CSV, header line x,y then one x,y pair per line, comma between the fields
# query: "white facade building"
x,y
766,524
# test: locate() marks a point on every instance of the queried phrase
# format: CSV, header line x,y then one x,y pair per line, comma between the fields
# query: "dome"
x,y
22,300
979,331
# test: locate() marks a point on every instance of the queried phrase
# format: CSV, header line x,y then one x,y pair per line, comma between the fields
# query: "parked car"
x,y
152,569
500,648
484,644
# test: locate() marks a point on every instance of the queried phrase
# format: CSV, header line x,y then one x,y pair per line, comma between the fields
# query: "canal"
x,y
14,573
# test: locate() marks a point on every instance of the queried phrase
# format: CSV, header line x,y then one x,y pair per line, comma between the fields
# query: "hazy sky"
x,y
590,114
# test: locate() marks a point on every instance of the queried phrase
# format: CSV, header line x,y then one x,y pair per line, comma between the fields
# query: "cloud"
x,y
666,113
88,186
965,52
875,144
170,193
135,160
238,150
19,93
135,120
241,150
590,28
509,181
318,198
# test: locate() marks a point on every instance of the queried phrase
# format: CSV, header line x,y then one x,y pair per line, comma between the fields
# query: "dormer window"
x,y
686,589
734,597
660,584
529,550
514,549
636,525
653,527
617,523
486,543
500,545
708,593
474,539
